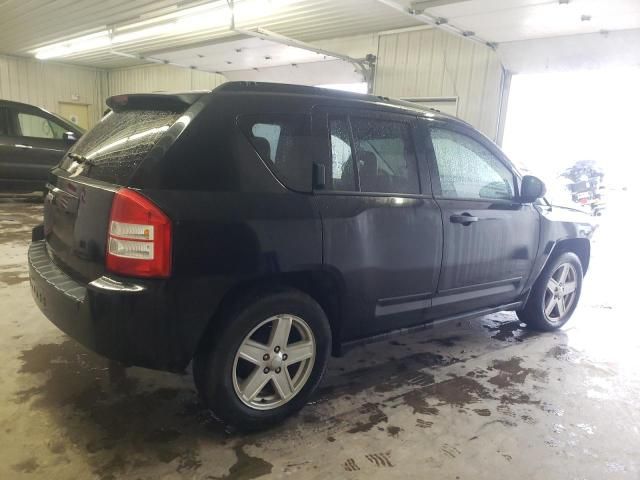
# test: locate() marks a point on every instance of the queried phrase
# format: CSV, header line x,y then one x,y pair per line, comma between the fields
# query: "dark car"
x,y
258,228
32,142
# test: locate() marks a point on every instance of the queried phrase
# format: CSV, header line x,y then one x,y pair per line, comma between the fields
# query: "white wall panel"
x,y
46,84
157,78
433,63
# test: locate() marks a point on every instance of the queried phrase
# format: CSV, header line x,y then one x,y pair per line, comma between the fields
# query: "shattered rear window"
x,y
114,148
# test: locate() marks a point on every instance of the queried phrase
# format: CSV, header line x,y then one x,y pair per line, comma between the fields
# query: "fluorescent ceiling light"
x,y
76,45
211,15
134,35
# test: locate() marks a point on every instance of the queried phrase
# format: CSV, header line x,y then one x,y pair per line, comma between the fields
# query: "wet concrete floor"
x,y
478,399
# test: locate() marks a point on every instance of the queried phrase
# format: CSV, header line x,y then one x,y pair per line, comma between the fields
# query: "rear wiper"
x,y
79,158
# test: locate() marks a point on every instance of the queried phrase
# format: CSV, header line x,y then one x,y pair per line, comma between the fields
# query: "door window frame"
x,y
320,130
475,136
352,143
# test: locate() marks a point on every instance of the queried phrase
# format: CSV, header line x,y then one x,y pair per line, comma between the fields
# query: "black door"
x,y
33,145
490,240
382,231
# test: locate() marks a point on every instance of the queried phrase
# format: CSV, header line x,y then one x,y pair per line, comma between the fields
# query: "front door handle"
x,y
464,219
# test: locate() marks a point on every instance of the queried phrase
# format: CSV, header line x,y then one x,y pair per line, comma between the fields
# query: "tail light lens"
x,y
139,239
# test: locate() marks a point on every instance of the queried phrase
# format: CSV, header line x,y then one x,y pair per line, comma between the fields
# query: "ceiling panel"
x,y
512,20
28,24
242,54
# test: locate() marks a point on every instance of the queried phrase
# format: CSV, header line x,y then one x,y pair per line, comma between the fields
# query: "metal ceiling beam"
x,y
436,22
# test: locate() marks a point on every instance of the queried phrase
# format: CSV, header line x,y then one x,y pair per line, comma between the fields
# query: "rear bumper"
x,y
133,323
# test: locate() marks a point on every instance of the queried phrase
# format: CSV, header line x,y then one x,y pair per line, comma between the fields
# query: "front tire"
x,y
555,294
266,362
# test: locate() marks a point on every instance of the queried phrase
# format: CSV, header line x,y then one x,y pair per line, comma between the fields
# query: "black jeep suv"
x,y
258,228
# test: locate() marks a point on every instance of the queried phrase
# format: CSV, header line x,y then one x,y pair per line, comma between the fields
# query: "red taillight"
x,y
139,237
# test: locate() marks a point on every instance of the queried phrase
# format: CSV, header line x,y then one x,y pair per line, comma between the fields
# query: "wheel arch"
x,y
324,286
580,246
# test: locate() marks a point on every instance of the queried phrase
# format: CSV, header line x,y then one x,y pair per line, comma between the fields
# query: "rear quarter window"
x,y
117,145
282,142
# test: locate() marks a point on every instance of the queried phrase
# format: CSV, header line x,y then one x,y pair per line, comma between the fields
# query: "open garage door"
x,y
260,55
556,120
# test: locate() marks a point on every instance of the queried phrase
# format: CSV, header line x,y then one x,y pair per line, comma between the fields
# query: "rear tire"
x,y
267,358
555,294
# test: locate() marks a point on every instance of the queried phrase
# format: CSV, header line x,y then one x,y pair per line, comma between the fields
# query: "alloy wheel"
x,y
560,292
274,362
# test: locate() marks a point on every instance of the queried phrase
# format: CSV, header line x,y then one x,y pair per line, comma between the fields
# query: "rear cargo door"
x,y
78,203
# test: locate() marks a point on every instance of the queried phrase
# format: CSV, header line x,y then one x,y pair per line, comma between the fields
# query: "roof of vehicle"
x,y
184,99
327,93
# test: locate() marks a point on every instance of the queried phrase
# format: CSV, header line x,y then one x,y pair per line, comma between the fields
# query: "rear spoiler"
x,y
174,102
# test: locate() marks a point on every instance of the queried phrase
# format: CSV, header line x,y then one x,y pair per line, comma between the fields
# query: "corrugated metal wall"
x,y
433,63
47,84
154,78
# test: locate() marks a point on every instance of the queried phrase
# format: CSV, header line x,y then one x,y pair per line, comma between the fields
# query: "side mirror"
x,y
532,188
70,137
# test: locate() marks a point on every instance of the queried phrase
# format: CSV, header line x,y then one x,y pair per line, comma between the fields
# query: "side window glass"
x,y
342,168
38,127
271,133
386,157
469,170
57,129
281,141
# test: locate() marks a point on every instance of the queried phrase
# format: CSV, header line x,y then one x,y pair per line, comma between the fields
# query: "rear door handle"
x,y
464,219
